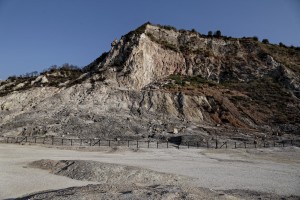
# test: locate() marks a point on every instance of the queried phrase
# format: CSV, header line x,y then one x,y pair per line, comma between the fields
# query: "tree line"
x,y
52,68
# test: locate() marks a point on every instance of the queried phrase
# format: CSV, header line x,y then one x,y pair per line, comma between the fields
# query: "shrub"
x,y
137,31
94,64
168,45
265,41
12,78
165,44
297,48
193,80
218,33
167,27
281,44
209,33
184,49
152,38
177,78
255,38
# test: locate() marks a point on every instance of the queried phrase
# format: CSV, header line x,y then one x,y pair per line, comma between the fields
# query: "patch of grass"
x,y
168,45
265,92
167,27
200,51
197,80
190,80
177,78
140,30
288,56
165,44
93,65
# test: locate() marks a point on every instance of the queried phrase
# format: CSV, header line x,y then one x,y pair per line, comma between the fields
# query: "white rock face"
x,y
44,80
157,53
104,111
20,85
126,102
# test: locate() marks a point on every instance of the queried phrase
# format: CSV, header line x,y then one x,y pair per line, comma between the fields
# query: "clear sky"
x,y
35,34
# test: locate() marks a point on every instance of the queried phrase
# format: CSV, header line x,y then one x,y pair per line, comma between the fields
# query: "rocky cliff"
x,y
157,81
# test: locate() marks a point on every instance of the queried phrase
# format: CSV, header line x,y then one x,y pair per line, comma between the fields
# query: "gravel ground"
x,y
106,173
261,173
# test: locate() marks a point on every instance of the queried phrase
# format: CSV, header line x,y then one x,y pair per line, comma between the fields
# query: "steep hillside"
x,y
157,81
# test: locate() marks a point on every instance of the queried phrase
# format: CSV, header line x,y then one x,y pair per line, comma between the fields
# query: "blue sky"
x,y
35,34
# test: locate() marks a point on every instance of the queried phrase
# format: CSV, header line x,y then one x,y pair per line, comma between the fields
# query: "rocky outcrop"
x,y
155,80
158,53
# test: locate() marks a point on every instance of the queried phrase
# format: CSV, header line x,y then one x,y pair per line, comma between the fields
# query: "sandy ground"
x,y
272,170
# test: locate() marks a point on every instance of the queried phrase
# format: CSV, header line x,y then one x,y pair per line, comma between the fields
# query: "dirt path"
x,y
268,170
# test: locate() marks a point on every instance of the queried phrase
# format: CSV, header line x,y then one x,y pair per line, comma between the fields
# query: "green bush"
x,y
167,27
152,38
210,33
165,44
281,44
265,41
193,80
12,78
92,65
177,78
218,33
168,45
137,31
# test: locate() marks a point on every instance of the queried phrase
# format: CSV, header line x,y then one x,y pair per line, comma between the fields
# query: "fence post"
x,y
62,142
226,145
197,145
71,142
99,143
264,144
157,145
128,143
80,142
137,144
26,139
148,144
292,142
7,139
235,145
167,144
245,143
282,143
109,143
34,139
216,143
274,143
188,144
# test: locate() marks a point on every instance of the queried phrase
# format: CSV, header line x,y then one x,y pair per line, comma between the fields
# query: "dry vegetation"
x,y
264,101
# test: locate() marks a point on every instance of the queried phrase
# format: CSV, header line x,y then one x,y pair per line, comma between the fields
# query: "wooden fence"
x,y
216,144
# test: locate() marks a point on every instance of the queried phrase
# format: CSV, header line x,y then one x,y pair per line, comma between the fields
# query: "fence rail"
x,y
216,144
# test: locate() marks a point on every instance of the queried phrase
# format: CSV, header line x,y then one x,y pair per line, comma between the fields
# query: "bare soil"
x,y
35,172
